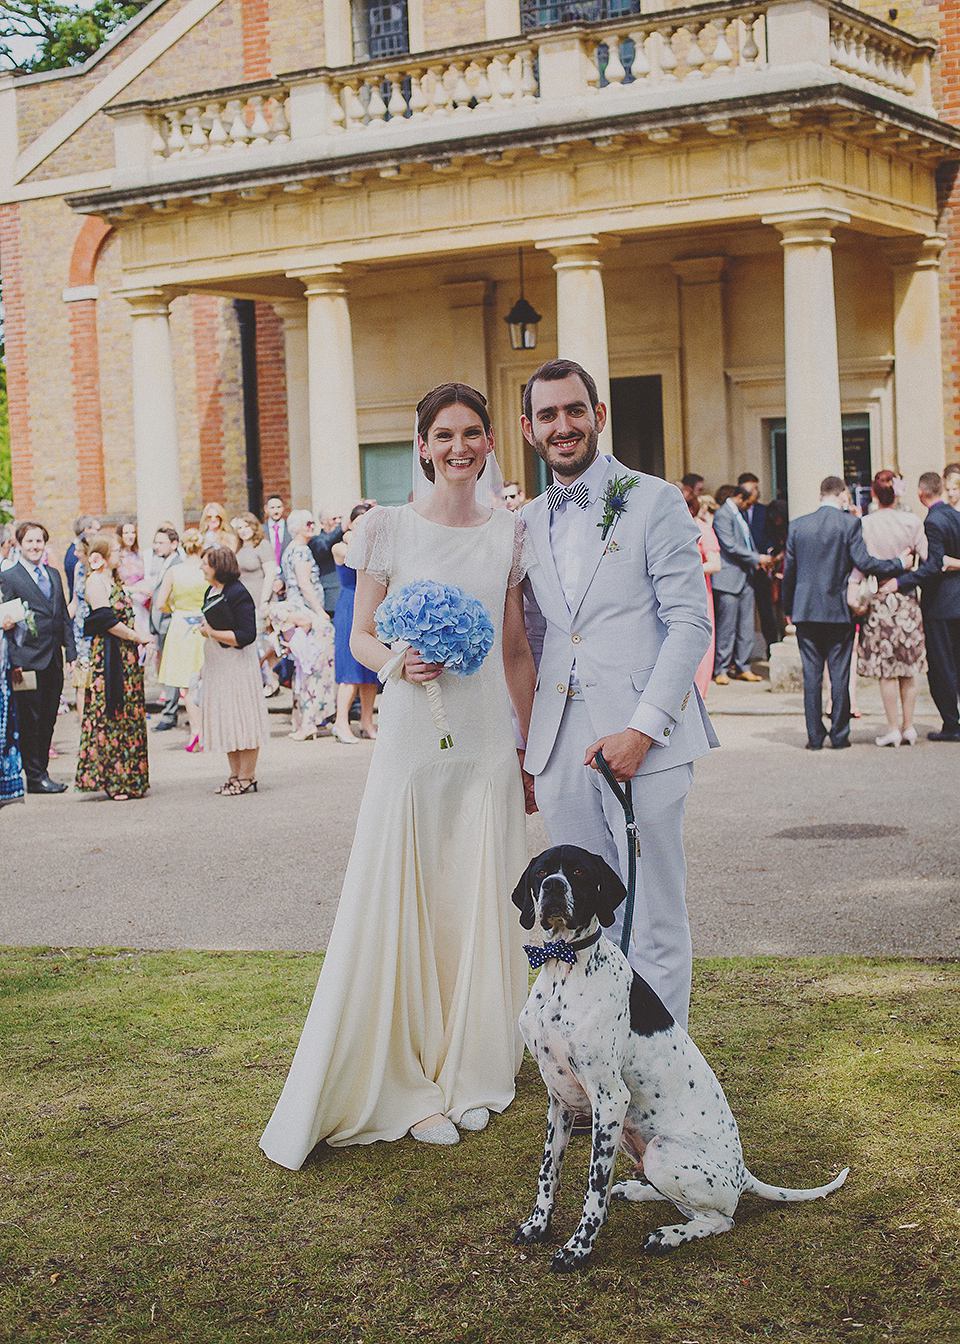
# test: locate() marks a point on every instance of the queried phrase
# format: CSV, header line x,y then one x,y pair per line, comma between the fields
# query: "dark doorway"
x,y
636,411
246,312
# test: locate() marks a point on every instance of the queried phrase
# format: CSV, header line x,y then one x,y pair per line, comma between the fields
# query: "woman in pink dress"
x,y
710,555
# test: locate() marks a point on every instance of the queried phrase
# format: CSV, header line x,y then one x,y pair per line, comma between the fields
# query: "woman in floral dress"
x,y
113,740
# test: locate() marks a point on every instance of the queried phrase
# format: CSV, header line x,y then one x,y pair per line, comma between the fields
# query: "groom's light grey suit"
x,y
623,653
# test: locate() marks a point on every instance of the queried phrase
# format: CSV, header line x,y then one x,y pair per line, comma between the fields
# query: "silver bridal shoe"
x,y
477,1118
444,1133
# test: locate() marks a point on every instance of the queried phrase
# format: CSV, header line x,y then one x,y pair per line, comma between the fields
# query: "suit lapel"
x,y
596,543
536,516
36,592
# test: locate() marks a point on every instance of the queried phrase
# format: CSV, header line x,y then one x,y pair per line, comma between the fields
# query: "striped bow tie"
x,y
563,951
577,493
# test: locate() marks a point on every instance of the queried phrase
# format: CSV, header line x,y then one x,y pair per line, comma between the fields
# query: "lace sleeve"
x,y
371,545
522,553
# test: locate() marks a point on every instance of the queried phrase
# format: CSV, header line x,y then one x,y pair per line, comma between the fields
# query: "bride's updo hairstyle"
x,y
430,406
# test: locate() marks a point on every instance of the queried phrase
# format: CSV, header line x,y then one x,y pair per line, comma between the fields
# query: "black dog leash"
x,y
624,796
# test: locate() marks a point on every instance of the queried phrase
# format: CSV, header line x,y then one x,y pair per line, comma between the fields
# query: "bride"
x,y
413,1026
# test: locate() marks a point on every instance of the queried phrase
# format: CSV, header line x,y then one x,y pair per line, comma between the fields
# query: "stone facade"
x,y
402,242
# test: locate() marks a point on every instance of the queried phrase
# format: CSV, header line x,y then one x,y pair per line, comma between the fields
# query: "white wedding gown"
x,y
424,978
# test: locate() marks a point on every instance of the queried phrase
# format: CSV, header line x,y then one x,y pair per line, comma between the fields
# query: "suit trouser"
x,y
734,616
943,663
579,808
763,594
830,644
36,719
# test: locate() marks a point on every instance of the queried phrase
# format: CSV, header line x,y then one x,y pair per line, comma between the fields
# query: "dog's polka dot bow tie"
x,y
563,951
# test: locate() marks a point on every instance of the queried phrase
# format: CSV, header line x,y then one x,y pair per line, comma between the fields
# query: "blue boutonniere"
x,y
615,501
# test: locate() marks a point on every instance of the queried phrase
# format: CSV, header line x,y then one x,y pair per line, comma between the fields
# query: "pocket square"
x,y
611,547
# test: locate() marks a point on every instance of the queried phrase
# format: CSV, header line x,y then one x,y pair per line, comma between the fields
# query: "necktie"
x,y
43,580
559,494
277,545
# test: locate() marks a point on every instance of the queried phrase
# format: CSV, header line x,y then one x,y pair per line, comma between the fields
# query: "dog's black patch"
x,y
647,1013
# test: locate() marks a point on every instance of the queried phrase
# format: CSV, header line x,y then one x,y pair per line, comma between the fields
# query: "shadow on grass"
x,y
135,1205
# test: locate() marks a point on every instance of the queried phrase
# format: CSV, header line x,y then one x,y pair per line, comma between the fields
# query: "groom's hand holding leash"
x,y
624,752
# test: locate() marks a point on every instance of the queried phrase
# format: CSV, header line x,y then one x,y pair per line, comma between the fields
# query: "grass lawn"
x,y
135,1204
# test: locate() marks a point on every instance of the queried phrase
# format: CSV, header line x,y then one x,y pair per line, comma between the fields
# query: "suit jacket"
x,y
738,559
54,626
758,527
940,596
638,627
285,537
321,545
822,548
160,620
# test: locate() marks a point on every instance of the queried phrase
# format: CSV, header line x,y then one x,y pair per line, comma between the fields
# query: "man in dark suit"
x,y
321,548
756,516
41,654
940,603
822,548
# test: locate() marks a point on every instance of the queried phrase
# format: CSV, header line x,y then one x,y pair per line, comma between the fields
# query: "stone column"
x,y
814,433
918,359
293,313
582,314
157,451
334,440
703,359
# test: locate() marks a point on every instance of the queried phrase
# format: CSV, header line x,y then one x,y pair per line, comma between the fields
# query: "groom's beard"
x,y
568,468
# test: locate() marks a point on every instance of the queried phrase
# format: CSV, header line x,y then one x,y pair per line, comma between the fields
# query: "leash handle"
x,y
624,796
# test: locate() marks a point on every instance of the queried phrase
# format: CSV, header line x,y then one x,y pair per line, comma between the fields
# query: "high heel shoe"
x,y
445,1133
302,735
908,737
891,739
347,738
194,744
227,788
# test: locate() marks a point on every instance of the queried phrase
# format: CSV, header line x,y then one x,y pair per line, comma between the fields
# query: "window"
x,y
542,13
385,471
379,30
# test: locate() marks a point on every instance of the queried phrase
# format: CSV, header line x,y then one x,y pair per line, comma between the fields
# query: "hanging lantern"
x,y
522,320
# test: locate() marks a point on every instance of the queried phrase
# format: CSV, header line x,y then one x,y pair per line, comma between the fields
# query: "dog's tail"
x,y
777,1192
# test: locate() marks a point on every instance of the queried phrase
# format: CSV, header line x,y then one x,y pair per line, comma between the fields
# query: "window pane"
x,y
541,13
379,29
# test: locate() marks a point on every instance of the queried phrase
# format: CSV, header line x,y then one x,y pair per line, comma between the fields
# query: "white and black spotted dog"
x,y
604,1041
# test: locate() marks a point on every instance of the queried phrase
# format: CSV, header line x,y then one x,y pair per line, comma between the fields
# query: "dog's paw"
x,y
619,1191
566,1261
663,1241
531,1231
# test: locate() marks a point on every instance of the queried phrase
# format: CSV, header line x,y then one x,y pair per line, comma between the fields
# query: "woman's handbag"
x,y
861,592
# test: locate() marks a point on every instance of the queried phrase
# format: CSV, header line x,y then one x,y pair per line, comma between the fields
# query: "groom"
x,y
616,611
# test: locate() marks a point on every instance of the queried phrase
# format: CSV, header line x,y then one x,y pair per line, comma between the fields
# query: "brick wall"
x,y
272,393
15,324
256,41
88,427
209,396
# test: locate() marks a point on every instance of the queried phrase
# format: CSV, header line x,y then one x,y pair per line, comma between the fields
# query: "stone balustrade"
x,y
693,54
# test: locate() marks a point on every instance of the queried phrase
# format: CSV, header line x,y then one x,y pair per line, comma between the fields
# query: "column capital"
x,y
292,312
916,253
799,227
330,279
581,250
149,302
699,270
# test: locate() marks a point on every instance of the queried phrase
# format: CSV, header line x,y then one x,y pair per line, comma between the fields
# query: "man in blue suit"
x,y
822,548
733,591
756,516
940,603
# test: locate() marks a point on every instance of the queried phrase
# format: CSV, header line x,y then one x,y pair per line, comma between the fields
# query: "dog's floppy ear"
x,y
523,897
610,891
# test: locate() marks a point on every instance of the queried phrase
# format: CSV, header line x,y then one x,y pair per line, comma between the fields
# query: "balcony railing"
x,y
688,55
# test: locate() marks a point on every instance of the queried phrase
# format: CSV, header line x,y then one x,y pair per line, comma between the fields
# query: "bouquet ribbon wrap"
x,y
445,625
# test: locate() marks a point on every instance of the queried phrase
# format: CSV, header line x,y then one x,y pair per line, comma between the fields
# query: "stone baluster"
x,y
418,99
281,126
694,57
238,123
482,89
615,73
197,139
176,143
747,43
666,58
722,55
528,80
259,127
158,145
500,73
439,98
353,109
219,135
396,103
461,94
641,68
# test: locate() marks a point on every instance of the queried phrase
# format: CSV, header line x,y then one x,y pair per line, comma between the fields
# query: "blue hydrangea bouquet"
x,y
445,625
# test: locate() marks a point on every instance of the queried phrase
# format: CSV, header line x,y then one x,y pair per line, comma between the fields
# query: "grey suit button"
x,y
666,732
562,690
575,639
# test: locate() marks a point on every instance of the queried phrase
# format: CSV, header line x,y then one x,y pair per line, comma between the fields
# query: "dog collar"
x,y
561,950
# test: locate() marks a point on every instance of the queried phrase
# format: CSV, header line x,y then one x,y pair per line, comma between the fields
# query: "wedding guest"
x,y
891,631
11,764
352,677
513,496
305,591
733,590
951,484
233,717
9,550
79,611
113,739
166,554
214,528
255,556
133,572
321,545
276,529
699,506
308,638
85,525
181,594
414,1023
692,487
38,657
